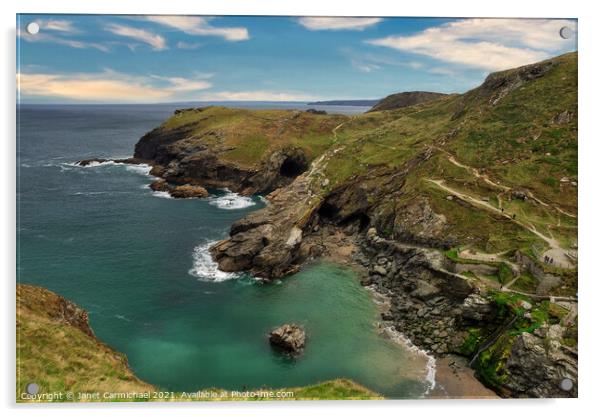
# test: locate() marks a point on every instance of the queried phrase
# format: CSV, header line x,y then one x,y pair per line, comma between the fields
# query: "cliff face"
x,y
479,189
246,151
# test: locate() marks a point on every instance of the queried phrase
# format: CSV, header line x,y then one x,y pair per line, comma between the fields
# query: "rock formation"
x,y
288,337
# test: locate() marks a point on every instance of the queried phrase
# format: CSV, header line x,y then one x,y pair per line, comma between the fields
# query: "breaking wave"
x,y
231,201
205,268
161,194
143,169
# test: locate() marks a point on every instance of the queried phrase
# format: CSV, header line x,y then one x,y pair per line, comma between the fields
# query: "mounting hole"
x,y
566,32
566,384
32,28
32,388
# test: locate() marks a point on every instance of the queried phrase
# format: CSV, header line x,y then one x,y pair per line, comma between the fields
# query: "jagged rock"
x,y
519,195
288,337
562,118
380,270
87,162
537,365
159,185
476,307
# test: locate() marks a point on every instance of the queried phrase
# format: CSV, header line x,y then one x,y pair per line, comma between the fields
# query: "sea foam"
x,y
231,201
161,194
205,268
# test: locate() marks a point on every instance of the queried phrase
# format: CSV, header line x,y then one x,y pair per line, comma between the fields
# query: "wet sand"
x,y
454,379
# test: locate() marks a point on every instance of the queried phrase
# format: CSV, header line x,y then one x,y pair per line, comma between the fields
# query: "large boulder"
x,y
189,191
289,338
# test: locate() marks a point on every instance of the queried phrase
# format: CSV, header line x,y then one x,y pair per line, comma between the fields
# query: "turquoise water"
x,y
138,262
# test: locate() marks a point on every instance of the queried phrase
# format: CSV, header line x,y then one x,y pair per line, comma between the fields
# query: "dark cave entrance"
x,y
292,167
330,213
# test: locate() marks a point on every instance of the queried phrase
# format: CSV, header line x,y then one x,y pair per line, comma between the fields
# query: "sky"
x,y
151,59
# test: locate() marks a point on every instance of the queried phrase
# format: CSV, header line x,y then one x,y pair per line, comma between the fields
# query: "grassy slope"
x,y
514,142
60,357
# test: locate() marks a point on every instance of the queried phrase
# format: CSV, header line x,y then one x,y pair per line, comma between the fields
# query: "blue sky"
x,y
148,59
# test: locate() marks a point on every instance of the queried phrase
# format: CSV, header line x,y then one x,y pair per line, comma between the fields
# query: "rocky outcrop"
x,y
426,299
188,191
180,191
289,337
539,363
266,242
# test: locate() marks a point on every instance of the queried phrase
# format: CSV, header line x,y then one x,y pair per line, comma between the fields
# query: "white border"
x,y
589,200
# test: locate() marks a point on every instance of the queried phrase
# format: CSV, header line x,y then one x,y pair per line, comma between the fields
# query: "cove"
x,y
138,263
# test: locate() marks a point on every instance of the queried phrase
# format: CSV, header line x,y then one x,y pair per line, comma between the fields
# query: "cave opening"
x,y
292,167
328,211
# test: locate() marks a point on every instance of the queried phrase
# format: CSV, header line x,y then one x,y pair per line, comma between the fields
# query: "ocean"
x,y
138,261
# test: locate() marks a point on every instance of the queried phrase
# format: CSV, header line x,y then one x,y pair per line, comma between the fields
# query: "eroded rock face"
x,y
180,159
267,241
538,363
289,338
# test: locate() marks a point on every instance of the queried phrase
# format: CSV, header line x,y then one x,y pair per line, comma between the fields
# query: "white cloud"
x,y
157,42
491,44
338,23
108,86
57,25
201,26
257,95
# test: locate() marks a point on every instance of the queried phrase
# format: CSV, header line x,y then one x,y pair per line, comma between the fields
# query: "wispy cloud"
x,y
181,84
201,26
109,86
60,32
490,44
51,38
256,95
188,45
368,62
157,42
57,25
338,23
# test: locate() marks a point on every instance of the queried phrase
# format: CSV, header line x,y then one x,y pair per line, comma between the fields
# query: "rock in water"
x,y
159,185
288,337
189,191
